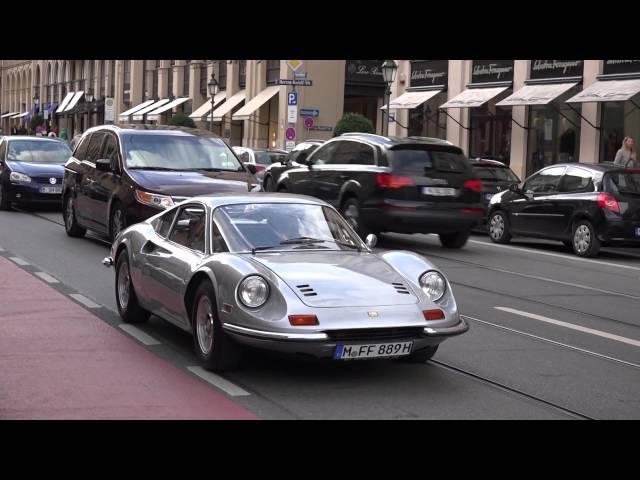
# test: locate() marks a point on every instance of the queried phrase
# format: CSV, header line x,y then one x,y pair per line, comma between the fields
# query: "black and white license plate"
x,y
637,231
374,350
439,191
51,190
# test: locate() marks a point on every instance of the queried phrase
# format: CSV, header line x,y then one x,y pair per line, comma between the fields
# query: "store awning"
x,y
473,97
230,104
154,114
255,103
608,91
205,108
72,103
52,107
540,94
6,115
125,115
409,100
139,115
20,115
65,102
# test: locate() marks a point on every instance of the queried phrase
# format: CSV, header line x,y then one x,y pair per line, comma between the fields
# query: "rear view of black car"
x,y
390,184
584,206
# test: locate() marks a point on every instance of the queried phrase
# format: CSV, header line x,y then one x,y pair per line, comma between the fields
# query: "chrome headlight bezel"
x,y
154,199
433,284
243,291
19,177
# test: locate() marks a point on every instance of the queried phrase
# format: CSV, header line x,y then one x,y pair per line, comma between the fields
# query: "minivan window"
x,y
178,152
110,149
38,151
93,150
81,150
419,162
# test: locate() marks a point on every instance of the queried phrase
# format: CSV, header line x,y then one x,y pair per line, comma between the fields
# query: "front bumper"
x,y
30,193
320,345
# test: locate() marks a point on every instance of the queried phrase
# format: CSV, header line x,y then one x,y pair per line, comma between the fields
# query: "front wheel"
x,y
499,227
584,239
126,298
71,225
454,240
421,356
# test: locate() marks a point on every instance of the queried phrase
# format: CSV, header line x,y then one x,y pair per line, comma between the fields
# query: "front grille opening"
x,y
367,334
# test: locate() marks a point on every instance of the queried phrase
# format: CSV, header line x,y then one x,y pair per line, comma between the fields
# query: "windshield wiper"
x,y
303,240
262,247
155,168
206,169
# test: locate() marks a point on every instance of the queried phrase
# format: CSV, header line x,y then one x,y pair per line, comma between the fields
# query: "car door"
x,y
89,204
575,188
106,183
537,214
302,180
335,171
169,259
79,181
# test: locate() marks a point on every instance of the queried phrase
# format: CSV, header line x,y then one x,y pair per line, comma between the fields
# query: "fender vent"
x,y
306,290
400,288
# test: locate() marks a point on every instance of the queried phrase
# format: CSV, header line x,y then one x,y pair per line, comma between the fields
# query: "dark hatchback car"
x,y
299,153
495,176
585,206
31,170
123,174
390,184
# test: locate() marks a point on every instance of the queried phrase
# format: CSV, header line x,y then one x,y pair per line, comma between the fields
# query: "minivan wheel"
x,y
69,216
351,213
5,204
117,222
585,240
498,227
454,240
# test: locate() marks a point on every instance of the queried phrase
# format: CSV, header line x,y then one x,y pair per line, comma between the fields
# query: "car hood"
x,y
339,279
37,169
191,184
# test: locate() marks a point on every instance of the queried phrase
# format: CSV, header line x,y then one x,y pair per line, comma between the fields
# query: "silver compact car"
x,y
279,272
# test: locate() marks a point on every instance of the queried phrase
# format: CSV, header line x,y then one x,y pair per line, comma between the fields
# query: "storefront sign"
x,y
426,73
364,72
612,67
556,68
109,109
485,71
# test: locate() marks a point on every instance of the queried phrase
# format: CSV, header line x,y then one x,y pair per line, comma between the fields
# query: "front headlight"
x,y
433,285
153,199
19,177
253,291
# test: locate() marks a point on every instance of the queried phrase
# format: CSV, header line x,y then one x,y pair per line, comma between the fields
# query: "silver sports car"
x,y
280,272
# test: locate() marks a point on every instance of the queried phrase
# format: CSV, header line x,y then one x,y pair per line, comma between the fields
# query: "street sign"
x,y
288,146
109,109
292,113
309,112
301,83
299,74
290,133
319,128
308,122
292,98
294,65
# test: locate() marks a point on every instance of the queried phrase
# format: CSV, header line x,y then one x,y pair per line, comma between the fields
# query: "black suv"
x,y
582,205
293,159
391,184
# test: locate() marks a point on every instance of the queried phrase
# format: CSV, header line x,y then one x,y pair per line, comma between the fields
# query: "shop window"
x,y
490,135
222,74
204,80
427,121
619,120
242,73
273,71
187,77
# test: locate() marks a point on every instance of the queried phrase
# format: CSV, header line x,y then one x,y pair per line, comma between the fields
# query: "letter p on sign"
x,y
292,98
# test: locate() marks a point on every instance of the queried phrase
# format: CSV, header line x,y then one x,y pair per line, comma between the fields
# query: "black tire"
x,y
71,225
214,348
126,298
454,240
117,221
5,204
421,356
498,227
268,184
351,212
584,240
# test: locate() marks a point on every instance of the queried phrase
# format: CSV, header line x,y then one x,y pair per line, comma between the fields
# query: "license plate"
x,y
488,196
439,191
374,350
51,190
638,232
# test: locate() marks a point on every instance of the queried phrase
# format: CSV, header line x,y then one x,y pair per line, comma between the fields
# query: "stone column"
x,y
398,88
459,77
519,135
589,136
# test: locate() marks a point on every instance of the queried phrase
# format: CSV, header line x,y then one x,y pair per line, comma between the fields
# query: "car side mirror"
x,y
104,165
371,241
515,188
251,167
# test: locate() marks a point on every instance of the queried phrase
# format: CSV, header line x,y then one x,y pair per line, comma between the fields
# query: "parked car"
x,y
392,184
31,170
583,205
260,158
495,176
299,153
122,174
279,272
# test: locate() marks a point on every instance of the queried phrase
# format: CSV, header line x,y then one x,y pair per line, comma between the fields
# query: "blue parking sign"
x,y
292,98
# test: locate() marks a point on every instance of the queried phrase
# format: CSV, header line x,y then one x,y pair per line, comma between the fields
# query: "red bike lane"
x,y
59,361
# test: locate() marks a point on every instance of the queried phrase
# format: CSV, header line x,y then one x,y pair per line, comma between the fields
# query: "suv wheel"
x,y
498,227
351,213
454,240
584,238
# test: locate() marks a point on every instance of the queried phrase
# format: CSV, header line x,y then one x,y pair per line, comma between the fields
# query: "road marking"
x,y
218,381
138,334
552,341
46,277
1,249
565,257
599,333
19,261
84,300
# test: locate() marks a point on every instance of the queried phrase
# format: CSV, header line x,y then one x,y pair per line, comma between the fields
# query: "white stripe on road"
x,y
1,249
84,300
46,277
565,257
599,333
218,381
138,334
19,261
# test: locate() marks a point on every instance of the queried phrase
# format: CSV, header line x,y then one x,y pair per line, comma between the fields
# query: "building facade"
x,y
527,113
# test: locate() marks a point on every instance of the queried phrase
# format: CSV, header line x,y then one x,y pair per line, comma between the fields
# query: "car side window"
x,y
219,245
110,149
190,227
93,150
324,154
346,153
3,150
577,180
545,181
163,224
365,155
81,150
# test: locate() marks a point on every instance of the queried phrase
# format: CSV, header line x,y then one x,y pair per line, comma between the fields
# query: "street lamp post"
x,y
389,69
213,89
89,99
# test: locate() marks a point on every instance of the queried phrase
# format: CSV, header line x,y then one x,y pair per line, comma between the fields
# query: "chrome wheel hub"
x,y
496,227
204,325
124,284
582,239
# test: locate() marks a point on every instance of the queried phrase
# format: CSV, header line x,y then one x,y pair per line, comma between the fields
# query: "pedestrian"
x,y
626,156
51,134
14,130
63,135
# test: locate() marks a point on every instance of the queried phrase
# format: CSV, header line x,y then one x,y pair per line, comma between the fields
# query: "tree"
x,y
353,122
182,120
35,122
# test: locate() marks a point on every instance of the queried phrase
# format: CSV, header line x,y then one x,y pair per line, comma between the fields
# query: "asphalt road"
x,y
552,336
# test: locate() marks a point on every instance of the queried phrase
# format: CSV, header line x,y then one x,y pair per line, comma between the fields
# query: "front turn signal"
x,y
300,320
435,314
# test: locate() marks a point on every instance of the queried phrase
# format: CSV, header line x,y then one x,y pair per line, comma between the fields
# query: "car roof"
x,y
143,129
389,142
29,137
220,199
487,162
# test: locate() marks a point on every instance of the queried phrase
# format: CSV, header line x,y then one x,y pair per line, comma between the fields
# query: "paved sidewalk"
x,y
59,361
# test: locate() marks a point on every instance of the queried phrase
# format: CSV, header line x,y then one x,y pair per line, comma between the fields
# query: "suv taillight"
x,y
386,180
474,185
608,202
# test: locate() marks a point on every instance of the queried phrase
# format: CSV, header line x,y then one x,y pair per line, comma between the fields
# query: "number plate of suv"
x,y
439,191
376,350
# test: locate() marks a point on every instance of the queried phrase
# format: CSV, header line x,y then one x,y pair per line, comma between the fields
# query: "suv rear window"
x,y
493,173
416,162
623,182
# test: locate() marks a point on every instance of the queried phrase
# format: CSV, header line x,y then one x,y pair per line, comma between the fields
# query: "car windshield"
x,y
419,162
38,151
494,174
178,152
284,226
624,183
